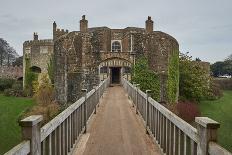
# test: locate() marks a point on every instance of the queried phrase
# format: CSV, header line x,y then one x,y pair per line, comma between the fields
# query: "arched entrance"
x,y
114,68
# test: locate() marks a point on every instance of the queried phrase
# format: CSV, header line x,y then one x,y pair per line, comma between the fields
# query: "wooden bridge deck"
x,y
116,129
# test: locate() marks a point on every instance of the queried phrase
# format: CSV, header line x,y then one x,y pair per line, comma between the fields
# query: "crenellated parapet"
x,y
57,32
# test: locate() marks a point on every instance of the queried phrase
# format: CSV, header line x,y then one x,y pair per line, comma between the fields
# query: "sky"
x,y
202,27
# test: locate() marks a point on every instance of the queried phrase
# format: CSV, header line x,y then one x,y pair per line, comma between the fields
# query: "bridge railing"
x,y
173,135
59,136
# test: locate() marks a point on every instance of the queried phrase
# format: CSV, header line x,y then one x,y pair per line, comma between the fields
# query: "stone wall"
x,y
11,72
79,55
39,53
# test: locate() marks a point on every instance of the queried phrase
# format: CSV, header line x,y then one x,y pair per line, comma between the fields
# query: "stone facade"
x,y
38,52
80,56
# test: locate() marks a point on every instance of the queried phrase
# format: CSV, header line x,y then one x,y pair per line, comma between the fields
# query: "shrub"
x,y
48,111
6,84
215,91
44,92
13,92
224,83
187,110
194,80
18,85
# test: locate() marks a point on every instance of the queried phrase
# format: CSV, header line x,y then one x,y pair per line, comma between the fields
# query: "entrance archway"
x,y
114,68
115,75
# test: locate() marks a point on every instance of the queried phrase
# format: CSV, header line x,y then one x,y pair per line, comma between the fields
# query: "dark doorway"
x,y
115,75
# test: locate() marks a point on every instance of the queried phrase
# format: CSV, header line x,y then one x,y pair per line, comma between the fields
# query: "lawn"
x,y
10,109
221,111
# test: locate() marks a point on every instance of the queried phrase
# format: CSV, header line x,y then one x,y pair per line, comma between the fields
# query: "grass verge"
x,y
221,111
10,109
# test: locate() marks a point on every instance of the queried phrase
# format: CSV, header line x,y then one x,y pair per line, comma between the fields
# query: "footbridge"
x,y
118,120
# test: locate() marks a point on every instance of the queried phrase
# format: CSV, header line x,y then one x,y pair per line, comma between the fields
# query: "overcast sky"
x,y
202,27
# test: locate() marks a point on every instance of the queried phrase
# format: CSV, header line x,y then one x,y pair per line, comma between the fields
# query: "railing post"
x,y
85,109
31,131
133,95
95,109
147,109
207,131
137,96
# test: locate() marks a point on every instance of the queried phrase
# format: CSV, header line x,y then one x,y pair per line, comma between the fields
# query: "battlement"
x,y
57,32
42,42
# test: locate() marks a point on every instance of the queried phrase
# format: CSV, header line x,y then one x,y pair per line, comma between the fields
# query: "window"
x,y
43,49
116,46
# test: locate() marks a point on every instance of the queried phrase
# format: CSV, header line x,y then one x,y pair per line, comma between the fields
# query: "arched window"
x,y
116,46
35,69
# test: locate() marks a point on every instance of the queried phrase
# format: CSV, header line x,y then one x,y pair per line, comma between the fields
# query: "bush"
x,y
194,79
13,92
6,84
48,111
215,91
44,92
187,110
224,83
18,85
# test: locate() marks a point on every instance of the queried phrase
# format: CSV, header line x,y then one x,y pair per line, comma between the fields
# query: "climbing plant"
x,y
173,78
147,79
51,69
29,78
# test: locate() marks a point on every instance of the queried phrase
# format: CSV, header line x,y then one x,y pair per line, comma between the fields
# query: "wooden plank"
x,y
185,144
54,142
174,140
181,124
170,137
179,142
58,140
20,149
50,144
215,149
54,123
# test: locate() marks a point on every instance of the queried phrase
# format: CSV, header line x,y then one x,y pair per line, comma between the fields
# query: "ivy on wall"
x,y
29,78
147,78
51,69
173,78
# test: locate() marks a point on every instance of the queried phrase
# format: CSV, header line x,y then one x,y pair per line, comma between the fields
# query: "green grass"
x,y
10,110
221,111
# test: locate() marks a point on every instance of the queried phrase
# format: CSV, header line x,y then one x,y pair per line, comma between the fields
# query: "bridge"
x,y
119,119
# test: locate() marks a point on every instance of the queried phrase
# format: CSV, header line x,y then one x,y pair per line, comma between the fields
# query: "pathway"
x,y
116,129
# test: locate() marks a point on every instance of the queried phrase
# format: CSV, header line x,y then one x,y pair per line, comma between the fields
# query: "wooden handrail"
x,y
60,134
174,135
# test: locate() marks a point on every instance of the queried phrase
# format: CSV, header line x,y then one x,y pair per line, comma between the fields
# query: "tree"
x,y
217,68
229,58
18,61
222,67
194,80
7,53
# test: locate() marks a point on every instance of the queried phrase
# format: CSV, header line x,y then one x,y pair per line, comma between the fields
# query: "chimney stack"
x,y
83,24
149,25
35,36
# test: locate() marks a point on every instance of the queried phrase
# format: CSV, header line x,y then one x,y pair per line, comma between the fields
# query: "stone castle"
x,y
81,57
